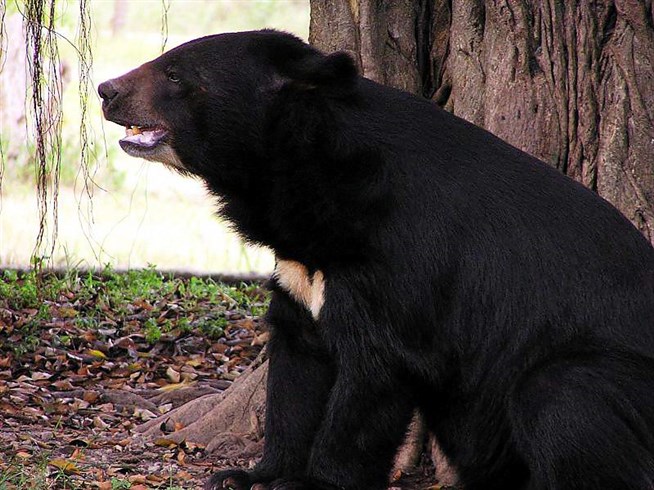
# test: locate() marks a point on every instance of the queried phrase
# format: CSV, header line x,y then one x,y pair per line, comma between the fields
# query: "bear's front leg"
x,y
367,418
300,377
370,402
368,412
365,423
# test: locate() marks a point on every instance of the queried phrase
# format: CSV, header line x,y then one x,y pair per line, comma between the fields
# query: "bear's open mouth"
x,y
142,137
151,142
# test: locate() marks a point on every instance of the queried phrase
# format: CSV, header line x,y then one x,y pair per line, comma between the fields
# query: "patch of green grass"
x,y
23,475
152,331
19,294
120,484
38,475
138,300
214,328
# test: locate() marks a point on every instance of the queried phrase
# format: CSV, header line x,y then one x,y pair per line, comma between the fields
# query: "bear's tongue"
x,y
143,137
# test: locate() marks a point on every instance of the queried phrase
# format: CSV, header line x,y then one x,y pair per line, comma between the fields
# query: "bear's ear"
x,y
337,71
302,66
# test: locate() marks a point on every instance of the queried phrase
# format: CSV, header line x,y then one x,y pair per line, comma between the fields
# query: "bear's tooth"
x,y
136,130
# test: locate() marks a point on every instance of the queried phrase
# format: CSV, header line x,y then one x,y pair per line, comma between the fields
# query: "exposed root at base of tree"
x,y
230,424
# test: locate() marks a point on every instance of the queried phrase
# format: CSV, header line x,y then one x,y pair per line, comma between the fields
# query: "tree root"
x,y
228,422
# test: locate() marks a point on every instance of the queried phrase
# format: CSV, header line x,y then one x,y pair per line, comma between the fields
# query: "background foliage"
x,y
106,207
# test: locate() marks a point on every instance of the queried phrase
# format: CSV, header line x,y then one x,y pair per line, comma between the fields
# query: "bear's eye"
x,y
173,77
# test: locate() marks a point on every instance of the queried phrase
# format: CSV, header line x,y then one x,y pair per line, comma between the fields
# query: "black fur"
x,y
511,305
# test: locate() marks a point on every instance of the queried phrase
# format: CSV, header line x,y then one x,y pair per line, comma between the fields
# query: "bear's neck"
x,y
310,210
302,219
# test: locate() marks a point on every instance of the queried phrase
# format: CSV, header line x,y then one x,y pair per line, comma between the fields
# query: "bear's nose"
x,y
107,91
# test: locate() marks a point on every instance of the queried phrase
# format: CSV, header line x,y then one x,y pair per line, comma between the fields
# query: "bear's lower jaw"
x,y
159,152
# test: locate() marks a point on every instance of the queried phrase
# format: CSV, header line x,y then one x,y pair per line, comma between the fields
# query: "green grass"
x,y
90,298
22,475
39,475
120,484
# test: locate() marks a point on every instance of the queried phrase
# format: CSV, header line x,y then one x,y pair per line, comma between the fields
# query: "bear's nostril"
x,y
107,91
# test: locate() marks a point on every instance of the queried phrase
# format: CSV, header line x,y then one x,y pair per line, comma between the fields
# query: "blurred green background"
x,y
131,213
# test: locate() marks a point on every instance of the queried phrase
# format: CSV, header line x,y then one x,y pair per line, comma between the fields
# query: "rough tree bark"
x,y
569,82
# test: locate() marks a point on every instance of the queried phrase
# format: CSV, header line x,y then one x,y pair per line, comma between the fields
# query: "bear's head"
x,y
201,108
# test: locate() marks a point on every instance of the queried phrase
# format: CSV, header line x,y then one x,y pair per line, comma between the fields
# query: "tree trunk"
x,y
570,82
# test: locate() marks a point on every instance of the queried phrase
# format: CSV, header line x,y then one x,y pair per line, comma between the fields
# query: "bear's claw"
x,y
229,480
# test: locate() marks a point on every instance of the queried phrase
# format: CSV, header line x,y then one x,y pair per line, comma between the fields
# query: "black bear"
x,y
422,263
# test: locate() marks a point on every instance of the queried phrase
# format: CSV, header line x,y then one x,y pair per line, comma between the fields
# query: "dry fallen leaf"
x,y
68,467
54,397
96,353
137,479
165,442
67,312
173,375
144,414
176,386
99,423
91,396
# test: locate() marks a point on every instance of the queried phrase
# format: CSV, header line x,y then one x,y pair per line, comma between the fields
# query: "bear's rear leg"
x,y
586,423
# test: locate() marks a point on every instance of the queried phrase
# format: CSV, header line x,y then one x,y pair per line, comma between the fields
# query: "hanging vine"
x,y
165,7
3,60
85,63
86,153
44,107
46,90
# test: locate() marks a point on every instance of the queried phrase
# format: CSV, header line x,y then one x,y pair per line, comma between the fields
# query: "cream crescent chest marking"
x,y
307,289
